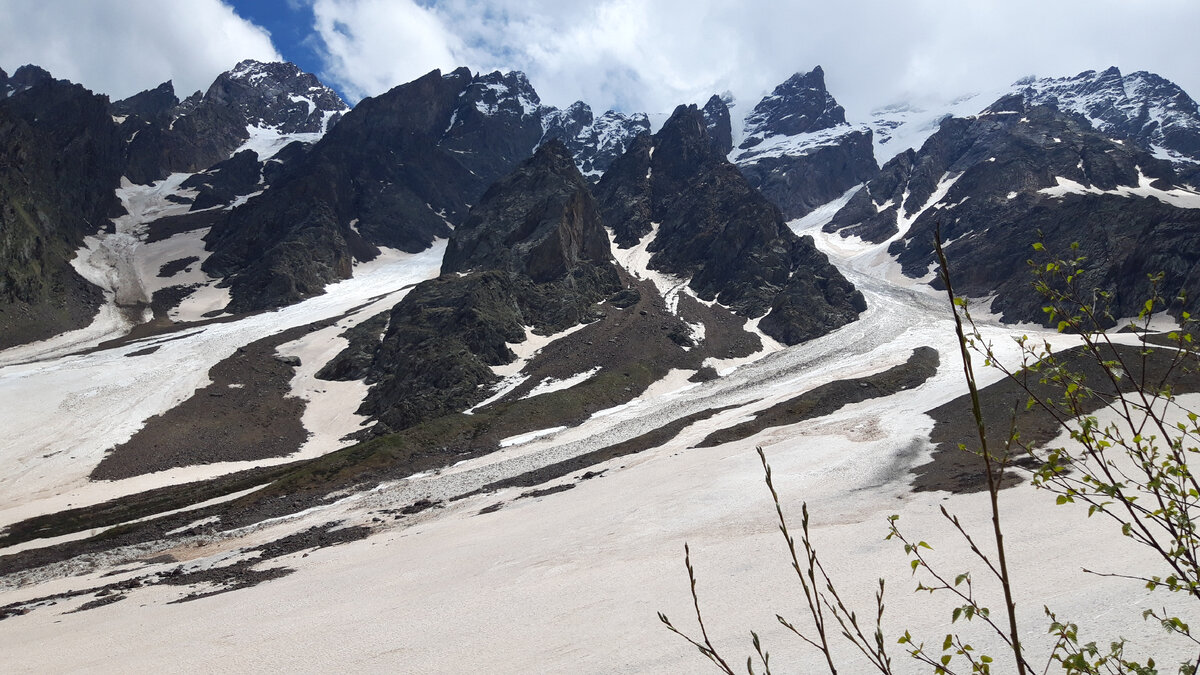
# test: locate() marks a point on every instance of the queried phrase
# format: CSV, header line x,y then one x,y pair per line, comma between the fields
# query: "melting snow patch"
x,y
1180,198
525,438
905,222
636,260
550,384
820,216
267,142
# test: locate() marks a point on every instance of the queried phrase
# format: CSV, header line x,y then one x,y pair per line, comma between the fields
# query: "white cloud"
x,y
370,46
638,55
120,47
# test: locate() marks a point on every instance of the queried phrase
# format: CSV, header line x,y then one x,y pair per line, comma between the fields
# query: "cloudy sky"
x,y
627,54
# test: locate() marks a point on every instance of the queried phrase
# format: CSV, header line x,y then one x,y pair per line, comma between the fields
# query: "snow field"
x,y
66,412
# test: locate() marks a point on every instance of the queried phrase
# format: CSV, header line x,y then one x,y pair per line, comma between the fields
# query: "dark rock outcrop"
x,y
225,181
60,162
536,223
713,228
27,77
154,105
798,149
532,253
800,105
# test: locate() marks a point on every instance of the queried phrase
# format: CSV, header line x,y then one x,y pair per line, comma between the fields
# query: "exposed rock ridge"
x,y
713,228
1141,107
718,123
533,253
396,171
595,142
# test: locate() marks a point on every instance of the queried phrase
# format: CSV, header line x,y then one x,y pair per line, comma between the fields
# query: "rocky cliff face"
x,y
710,226
798,149
993,182
224,182
60,162
533,253
538,222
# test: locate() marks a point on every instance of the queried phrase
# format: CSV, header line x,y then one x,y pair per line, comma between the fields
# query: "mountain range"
x,y
260,305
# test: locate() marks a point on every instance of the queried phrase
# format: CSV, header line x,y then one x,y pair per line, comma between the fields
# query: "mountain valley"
x,y
360,385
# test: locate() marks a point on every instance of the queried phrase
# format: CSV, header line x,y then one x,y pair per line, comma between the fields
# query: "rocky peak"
x,y
799,105
266,100
566,125
5,87
152,104
28,76
1143,107
278,95
716,119
798,149
595,142
683,144
540,221
710,226
499,93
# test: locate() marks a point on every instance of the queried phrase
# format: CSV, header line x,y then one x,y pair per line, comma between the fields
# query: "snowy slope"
x,y
607,554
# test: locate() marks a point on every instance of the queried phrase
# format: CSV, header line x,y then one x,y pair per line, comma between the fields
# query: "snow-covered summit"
x,y
594,141
795,119
797,148
800,105
1141,106
276,96
503,93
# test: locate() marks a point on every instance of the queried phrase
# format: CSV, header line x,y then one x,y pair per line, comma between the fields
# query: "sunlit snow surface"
x,y
571,582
